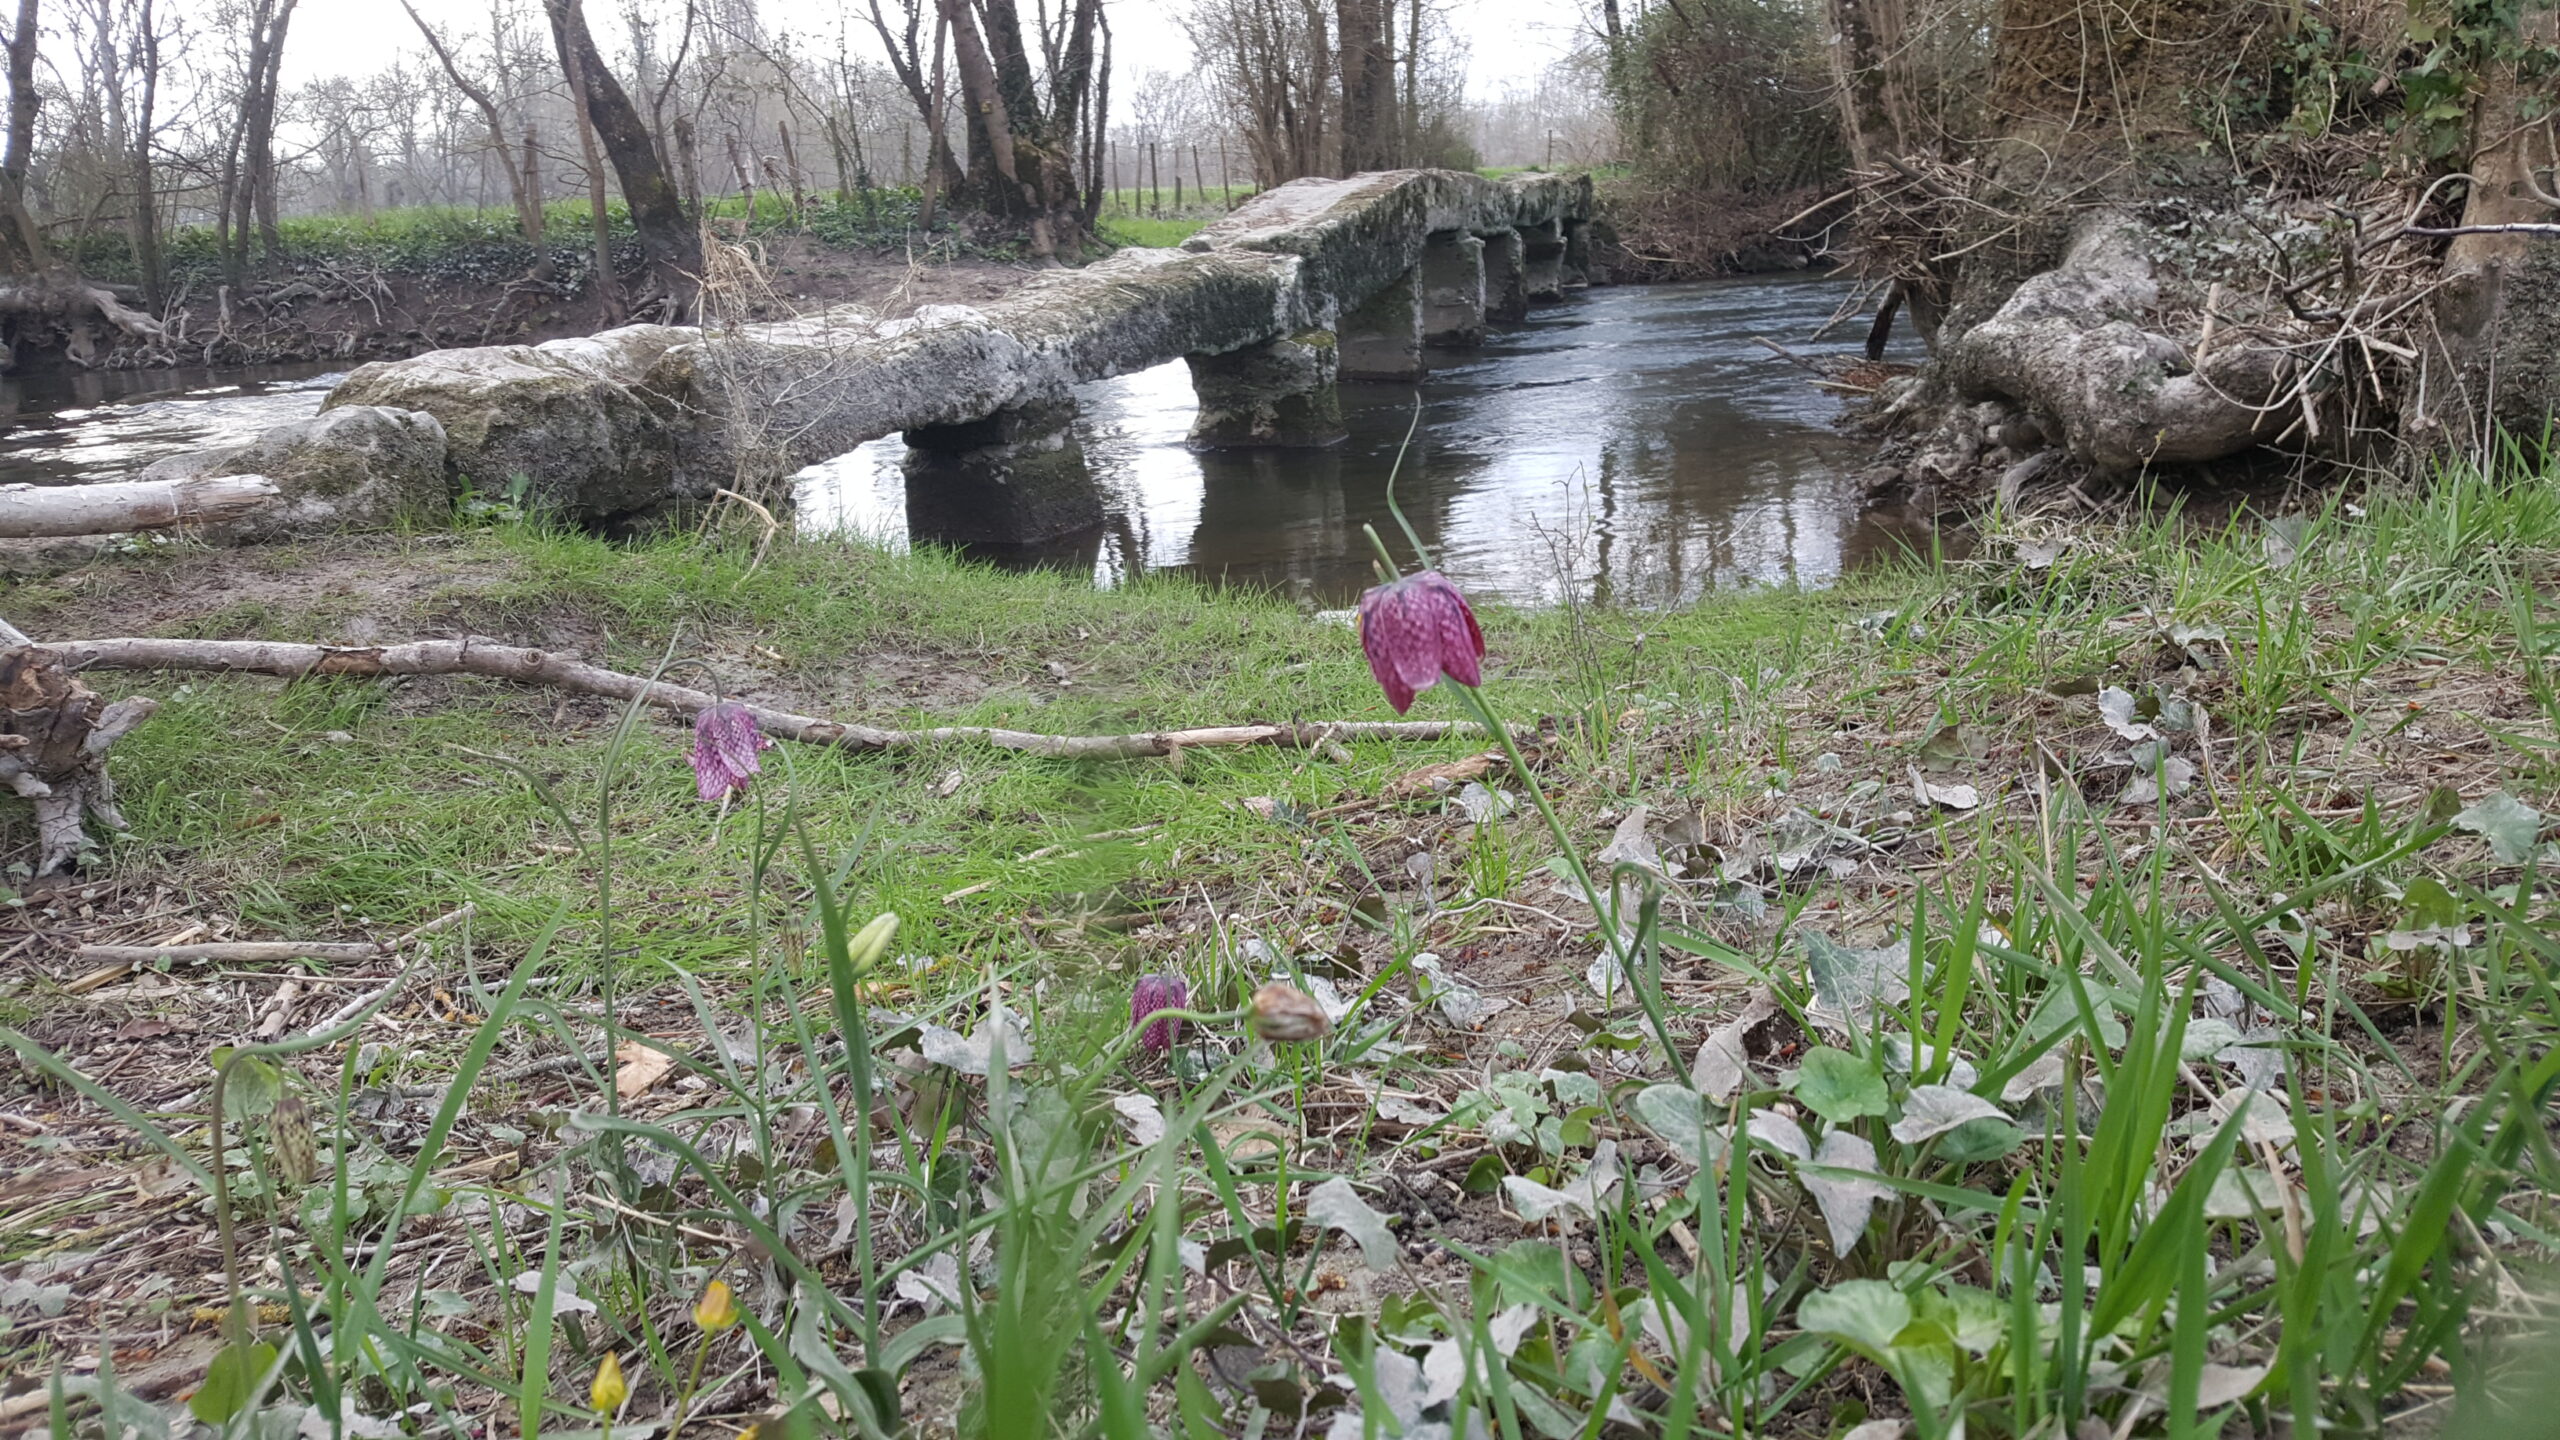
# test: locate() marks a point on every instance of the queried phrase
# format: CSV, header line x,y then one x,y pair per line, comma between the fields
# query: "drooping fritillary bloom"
x,y
1414,631
1156,993
725,742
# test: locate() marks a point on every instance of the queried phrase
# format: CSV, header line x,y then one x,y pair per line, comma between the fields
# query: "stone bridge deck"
x,y
1306,282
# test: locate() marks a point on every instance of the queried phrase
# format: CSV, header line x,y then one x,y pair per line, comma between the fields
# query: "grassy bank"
x,y
2102,979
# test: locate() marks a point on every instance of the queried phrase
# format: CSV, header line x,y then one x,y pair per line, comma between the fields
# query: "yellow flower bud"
x,y
1284,1012
608,1393
717,1310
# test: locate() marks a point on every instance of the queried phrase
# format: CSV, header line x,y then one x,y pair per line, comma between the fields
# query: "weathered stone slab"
x,y
1453,292
1506,278
1277,395
1576,261
1542,260
1382,338
576,420
358,467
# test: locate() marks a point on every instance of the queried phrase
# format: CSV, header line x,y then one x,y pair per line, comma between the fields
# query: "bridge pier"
x,y
1016,477
1382,339
1276,395
1542,263
1506,278
1577,253
1453,291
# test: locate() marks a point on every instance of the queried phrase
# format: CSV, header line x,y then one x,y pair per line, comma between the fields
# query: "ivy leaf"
x,y
1677,1116
2509,824
1336,1206
1930,1111
1864,1313
1840,1180
1840,1087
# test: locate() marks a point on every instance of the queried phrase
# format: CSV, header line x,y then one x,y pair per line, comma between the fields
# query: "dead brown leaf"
x,y
642,1067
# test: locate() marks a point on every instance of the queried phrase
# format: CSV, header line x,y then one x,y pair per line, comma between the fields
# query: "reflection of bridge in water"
x,y
1632,445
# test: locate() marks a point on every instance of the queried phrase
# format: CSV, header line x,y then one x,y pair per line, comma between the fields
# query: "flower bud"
x,y
717,1310
1284,1012
608,1393
872,941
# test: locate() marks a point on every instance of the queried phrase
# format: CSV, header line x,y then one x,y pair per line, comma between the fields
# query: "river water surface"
x,y
1629,445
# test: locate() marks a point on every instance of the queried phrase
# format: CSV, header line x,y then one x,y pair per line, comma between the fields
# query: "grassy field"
x,y
2101,985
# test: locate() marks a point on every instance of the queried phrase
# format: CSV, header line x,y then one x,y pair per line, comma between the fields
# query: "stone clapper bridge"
x,y
1307,282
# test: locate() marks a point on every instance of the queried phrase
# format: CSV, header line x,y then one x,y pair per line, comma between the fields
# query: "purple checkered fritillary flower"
x,y
725,742
1414,631
1156,993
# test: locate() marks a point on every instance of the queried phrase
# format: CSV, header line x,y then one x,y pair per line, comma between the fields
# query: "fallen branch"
x,y
539,667
120,960
2520,227
238,952
32,511
1783,353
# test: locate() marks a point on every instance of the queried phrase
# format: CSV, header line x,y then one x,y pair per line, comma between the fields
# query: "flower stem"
x,y
692,1382
1481,710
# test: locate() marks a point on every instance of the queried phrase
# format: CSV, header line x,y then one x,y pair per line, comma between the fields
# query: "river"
x,y
1630,445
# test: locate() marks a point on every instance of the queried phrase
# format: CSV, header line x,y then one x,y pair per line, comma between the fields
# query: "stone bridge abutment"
x,y
1303,287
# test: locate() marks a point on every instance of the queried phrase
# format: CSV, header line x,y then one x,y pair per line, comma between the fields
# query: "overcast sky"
x,y
1507,40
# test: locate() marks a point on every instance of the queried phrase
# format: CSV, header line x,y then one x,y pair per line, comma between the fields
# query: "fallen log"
x,y
37,511
540,667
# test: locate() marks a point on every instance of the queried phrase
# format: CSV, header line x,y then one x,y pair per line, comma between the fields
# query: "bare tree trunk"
x,y
1412,133
2499,326
1368,83
924,90
791,168
608,287
146,200
746,181
937,148
533,216
528,204
990,120
692,167
1867,36
26,248
261,113
670,241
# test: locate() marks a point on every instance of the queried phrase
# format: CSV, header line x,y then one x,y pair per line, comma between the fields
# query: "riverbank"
x,y
407,281
2279,778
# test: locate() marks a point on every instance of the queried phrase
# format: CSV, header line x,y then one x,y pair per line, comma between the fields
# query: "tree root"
x,y
537,667
54,734
2070,344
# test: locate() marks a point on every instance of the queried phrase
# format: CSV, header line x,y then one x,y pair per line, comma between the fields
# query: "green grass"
x,y
1147,230
461,242
2102,1214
